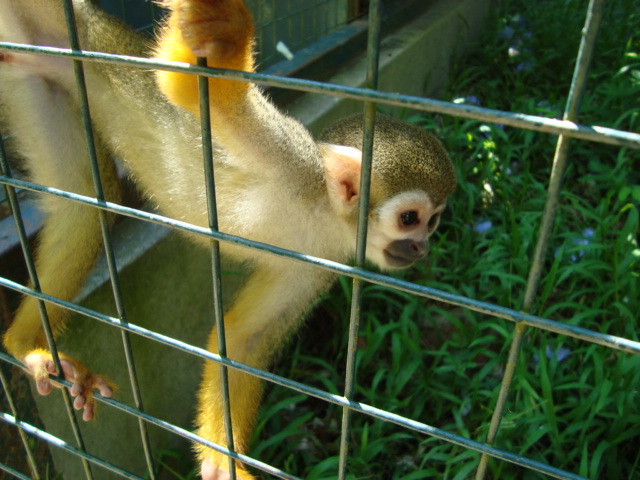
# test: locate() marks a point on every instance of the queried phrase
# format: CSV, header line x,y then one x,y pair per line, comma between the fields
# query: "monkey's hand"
x,y
220,30
40,364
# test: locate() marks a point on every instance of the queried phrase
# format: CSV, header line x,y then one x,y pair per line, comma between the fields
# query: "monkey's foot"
x,y
40,364
210,471
221,30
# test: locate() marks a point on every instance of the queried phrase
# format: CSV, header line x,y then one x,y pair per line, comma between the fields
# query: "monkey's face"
x,y
400,228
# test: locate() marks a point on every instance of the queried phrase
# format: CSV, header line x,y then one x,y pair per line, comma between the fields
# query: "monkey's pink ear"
x,y
342,171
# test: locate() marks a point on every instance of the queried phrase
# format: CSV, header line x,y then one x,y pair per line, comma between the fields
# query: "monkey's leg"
x,y
47,129
266,312
220,30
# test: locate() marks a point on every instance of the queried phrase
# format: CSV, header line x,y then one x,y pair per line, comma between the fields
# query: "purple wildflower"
x,y
483,226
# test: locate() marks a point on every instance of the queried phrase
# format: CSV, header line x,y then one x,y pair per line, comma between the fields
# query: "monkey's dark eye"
x,y
409,218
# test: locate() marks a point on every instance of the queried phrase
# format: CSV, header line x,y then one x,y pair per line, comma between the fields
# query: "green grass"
x,y
573,405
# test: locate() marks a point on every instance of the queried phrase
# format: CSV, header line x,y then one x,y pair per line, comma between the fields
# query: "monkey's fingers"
x,y
40,364
221,30
84,382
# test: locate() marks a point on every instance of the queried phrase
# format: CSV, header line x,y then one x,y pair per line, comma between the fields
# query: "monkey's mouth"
x,y
403,253
395,261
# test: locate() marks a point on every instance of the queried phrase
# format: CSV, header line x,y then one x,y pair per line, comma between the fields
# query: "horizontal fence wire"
x,y
543,124
611,341
592,133
618,343
307,390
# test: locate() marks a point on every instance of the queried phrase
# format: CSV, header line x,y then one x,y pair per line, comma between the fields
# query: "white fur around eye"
x,y
390,210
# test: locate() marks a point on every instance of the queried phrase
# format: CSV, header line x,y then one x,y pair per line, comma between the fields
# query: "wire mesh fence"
x,y
567,129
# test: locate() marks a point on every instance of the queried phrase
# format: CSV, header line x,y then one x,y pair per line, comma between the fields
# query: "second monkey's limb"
x,y
267,311
70,240
69,244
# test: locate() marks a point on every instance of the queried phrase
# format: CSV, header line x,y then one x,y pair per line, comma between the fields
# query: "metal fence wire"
x,y
567,129
282,27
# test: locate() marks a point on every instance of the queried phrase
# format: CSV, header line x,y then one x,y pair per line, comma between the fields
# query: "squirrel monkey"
x,y
275,183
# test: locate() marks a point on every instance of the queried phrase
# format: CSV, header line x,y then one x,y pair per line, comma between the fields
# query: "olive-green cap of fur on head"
x,y
405,156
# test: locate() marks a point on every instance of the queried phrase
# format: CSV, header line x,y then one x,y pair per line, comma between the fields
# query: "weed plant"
x,y
573,404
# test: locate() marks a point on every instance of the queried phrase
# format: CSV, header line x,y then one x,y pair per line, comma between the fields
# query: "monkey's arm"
x,y
243,121
266,312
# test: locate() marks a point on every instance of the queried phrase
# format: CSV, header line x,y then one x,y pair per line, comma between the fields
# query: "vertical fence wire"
x,y
83,100
10,193
587,44
207,153
373,48
31,461
46,325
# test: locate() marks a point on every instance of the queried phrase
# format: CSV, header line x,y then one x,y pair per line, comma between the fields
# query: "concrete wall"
x,y
413,61
167,281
